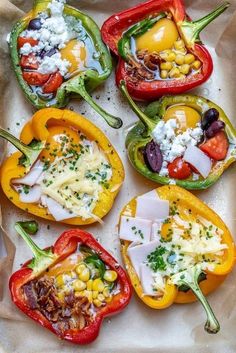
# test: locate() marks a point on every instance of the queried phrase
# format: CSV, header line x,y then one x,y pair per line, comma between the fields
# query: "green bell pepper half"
x,y
138,137
82,83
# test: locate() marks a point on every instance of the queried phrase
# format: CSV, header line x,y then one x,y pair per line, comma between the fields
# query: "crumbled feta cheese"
x,y
56,8
53,63
26,49
172,145
195,176
55,32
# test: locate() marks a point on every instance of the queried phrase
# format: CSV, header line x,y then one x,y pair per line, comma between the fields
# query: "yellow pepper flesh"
x,y
214,279
39,128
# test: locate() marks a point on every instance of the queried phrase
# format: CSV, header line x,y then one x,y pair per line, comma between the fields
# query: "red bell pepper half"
x,y
43,259
135,21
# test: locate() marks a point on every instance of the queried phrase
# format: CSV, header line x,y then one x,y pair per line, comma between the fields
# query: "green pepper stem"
x,y
78,86
42,258
30,227
30,153
192,29
149,123
190,278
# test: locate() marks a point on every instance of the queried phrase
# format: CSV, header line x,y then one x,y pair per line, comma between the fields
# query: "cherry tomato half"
x,y
29,62
53,83
217,146
22,40
35,78
179,169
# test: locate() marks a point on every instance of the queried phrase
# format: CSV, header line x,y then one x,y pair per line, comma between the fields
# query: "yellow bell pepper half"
x,y
43,124
183,200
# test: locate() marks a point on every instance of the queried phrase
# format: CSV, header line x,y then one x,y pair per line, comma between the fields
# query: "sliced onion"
x,y
33,175
57,211
32,196
198,160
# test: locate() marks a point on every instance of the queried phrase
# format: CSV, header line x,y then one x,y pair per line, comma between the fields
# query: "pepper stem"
x,y
30,153
192,29
42,258
190,278
78,86
150,124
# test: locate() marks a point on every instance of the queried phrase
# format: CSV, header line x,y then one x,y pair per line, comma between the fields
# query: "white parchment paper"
x,y
138,329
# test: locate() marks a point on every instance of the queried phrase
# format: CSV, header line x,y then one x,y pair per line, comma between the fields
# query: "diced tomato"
x,y
29,62
53,83
217,146
23,40
35,78
179,169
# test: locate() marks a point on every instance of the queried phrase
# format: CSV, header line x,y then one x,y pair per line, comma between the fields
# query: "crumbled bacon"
x,y
145,67
72,313
31,295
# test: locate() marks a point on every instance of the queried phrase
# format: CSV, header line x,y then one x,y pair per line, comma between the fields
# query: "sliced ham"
x,y
135,229
198,160
149,195
152,209
33,175
146,278
33,195
138,254
57,211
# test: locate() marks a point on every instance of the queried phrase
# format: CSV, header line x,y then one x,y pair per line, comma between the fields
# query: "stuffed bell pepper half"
x,y
185,140
57,51
159,48
66,170
70,287
175,248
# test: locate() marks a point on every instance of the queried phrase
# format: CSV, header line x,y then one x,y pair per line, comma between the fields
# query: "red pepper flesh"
x,y
65,246
114,27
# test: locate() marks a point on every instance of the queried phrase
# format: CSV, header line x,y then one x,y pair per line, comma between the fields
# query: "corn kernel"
x,y
109,299
90,284
196,64
174,73
89,295
164,54
164,74
101,297
106,292
171,57
166,66
179,44
95,294
97,302
79,285
80,268
182,51
84,275
184,69
80,294
181,77
110,276
98,285
60,281
189,58
179,59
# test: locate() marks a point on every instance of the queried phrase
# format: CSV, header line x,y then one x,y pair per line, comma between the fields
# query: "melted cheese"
x,y
75,183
